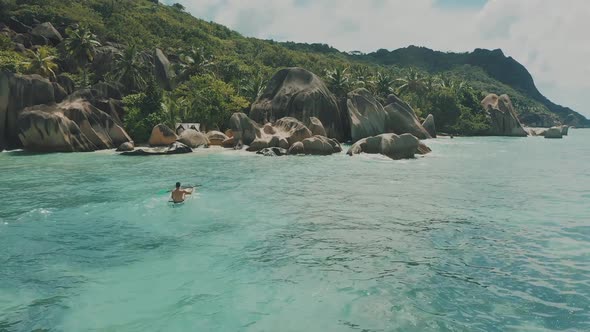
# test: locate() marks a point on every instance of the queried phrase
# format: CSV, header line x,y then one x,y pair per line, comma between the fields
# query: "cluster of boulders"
x,y
391,145
39,115
502,116
298,115
553,132
44,115
288,134
28,37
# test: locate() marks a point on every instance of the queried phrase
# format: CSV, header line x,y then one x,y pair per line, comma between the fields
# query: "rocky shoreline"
x,y
296,114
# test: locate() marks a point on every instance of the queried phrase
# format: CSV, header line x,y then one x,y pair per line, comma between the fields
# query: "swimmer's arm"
x,y
188,191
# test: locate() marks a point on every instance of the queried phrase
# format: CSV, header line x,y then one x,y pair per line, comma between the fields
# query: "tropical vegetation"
x,y
218,71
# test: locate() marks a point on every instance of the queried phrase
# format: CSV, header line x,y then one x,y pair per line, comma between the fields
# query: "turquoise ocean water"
x,y
484,234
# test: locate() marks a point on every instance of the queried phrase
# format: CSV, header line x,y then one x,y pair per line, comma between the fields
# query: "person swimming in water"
x,y
179,194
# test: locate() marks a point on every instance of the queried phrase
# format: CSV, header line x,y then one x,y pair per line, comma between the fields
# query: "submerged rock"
x,y
502,116
300,94
396,147
273,152
162,136
174,148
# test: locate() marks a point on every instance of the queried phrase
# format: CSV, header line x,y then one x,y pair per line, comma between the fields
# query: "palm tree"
x,y
431,82
129,69
338,80
413,82
454,85
174,108
446,81
253,88
362,75
192,62
81,45
383,84
42,62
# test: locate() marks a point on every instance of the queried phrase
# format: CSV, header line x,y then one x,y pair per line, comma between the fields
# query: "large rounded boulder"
x,y
317,127
291,129
396,147
193,139
401,119
216,138
367,116
321,146
502,116
162,136
71,126
47,31
554,132
298,93
244,130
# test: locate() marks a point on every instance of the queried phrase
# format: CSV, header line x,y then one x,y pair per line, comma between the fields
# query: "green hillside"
x,y
218,71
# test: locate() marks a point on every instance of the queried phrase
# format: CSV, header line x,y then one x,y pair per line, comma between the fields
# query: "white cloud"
x,y
548,37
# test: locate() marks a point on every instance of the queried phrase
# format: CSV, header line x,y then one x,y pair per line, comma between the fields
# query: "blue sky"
x,y
548,37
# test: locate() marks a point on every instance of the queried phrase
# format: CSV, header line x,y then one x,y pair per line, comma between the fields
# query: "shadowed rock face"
x,y
245,130
430,126
367,116
16,93
298,93
162,70
46,30
317,127
401,119
502,117
71,126
554,132
396,147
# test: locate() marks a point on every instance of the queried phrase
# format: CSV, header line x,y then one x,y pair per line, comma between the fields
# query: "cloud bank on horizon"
x,y
548,37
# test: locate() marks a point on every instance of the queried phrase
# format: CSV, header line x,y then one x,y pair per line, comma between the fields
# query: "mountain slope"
x,y
238,61
494,63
